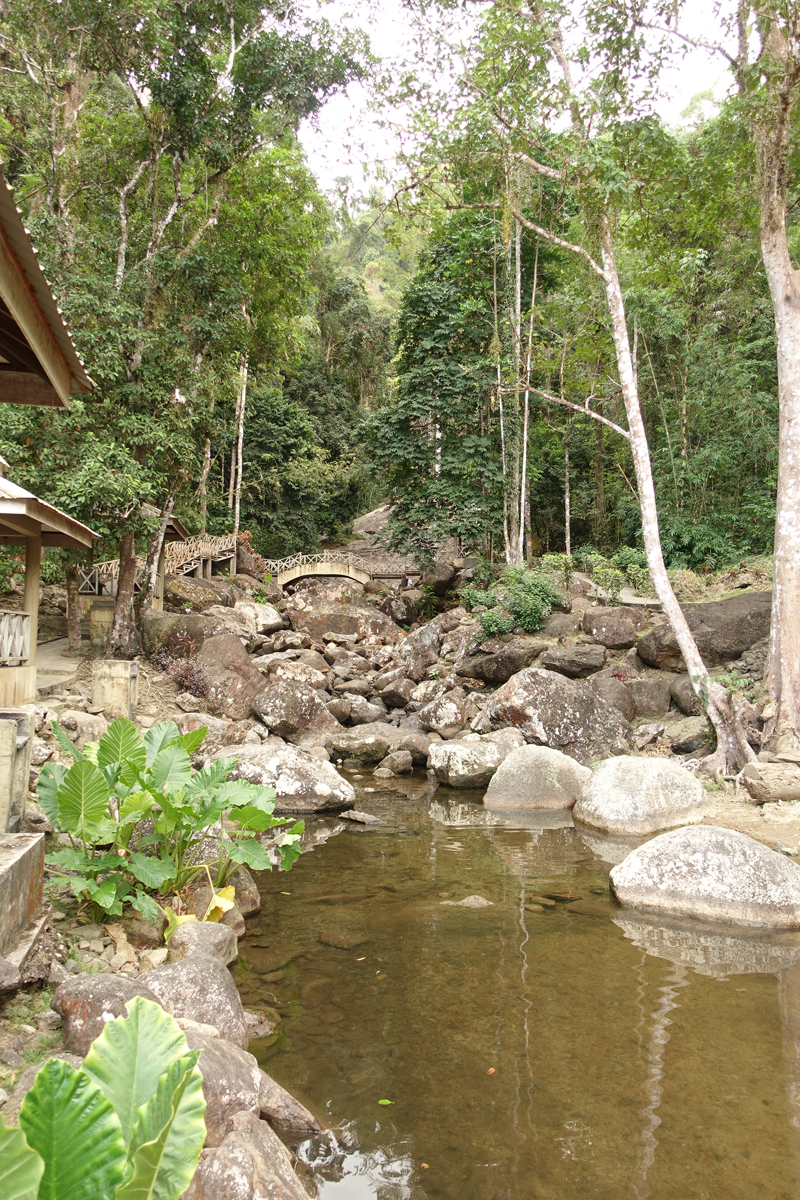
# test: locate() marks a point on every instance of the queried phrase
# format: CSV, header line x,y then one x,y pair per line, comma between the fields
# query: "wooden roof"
x,y
22,515
38,362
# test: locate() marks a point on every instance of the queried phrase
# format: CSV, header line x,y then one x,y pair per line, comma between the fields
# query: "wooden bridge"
x,y
196,556
333,562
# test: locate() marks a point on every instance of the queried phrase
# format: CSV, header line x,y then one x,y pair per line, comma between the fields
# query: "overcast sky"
x,y
348,134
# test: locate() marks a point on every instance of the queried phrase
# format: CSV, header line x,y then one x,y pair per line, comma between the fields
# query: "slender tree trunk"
x,y
73,606
144,600
733,749
232,477
123,642
237,507
598,516
203,485
567,518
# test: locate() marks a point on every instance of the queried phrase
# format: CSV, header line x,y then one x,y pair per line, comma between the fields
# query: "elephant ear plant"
x,y
128,1125
201,821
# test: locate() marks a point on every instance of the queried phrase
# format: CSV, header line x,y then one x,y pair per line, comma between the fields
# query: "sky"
x,y
346,134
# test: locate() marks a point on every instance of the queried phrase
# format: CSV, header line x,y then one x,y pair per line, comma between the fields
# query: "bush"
x,y
560,565
582,556
629,556
611,581
522,598
640,581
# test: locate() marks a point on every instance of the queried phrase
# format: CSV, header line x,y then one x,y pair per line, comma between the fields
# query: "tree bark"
x,y
123,642
202,487
733,749
239,444
144,600
73,606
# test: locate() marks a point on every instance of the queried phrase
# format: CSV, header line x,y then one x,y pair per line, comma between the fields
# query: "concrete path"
x,y
52,668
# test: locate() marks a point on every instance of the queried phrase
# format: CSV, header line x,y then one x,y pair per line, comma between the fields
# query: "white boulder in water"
x,y
633,796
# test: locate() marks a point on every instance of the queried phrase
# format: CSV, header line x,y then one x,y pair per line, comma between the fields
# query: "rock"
x,y
362,744
203,937
711,873
174,632
282,1110
183,591
293,709
419,651
561,625
86,1003
689,734
231,1082
554,711
576,662
506,658
40,752
428,690
364,713
315,616
640,795
684,695
267,618
251,1164
471,764
233,682
650,694
302,782
722,629
468,902
614,692
536,777
445,715
398,693
770,782
611,627
349,665
10,978
354,687
248,897
290,639
403,607
83,727
201,988
647,733
239,621
439,578
399,762
197,903
219,733
292,672
339,708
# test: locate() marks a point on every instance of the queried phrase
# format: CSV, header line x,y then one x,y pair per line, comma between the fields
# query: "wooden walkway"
x,y
197,556
332,562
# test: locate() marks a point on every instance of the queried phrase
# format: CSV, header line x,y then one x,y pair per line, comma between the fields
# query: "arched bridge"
x,y
333,562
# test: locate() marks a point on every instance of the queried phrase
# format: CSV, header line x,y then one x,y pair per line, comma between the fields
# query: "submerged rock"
x,y
711,873
632,796
536,777
252,1163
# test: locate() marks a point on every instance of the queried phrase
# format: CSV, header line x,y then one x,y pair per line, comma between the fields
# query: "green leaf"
x,y
288,854
249,851
158,737
384,1102
66,745
104,894
21,1168
145,905
194,738
154,1173
135,808
152,872
207,779
50,779
171,769
250,817
82,796
76,860
69,1122
121,743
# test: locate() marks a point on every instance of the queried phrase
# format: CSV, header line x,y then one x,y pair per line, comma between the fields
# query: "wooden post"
x,y
158,594
30,599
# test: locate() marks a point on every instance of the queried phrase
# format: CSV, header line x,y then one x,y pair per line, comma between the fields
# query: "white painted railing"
x,y
276,566
178,554
15,638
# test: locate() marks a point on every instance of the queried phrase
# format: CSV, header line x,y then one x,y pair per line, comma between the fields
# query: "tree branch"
x,y
583,409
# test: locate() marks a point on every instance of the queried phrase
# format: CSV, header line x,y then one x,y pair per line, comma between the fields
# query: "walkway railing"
x,y
277,566
177,557
15,638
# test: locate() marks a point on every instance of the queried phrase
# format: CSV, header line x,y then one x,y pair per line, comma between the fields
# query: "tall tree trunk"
x,y
123,642
599,485
73,606
144,600
733,749
202,489
567,517
239,445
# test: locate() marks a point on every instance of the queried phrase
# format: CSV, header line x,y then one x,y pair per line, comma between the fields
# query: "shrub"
x,y
611,581
560,565
522,598
582,556
629,556
639,579
52,569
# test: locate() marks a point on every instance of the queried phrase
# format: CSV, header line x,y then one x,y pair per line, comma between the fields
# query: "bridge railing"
x,y
276,566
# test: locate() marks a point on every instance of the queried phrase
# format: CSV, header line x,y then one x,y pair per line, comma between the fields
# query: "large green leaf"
x,y
70,1123
129,1056
158,737
209,777
21,1168
82,796
50,779
250,817
171,769
156,1173
249,851
194,738
66,745
121,743
152,872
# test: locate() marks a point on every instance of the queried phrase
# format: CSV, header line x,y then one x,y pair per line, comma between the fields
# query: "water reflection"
x,y
716,950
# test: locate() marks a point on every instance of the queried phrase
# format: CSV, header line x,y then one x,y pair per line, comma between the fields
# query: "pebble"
x,y
48,1020
71,966
534,908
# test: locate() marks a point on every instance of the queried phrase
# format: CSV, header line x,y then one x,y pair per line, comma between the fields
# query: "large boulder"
x,y
498,659
364,713
233,681
291,710
182,592
552,710
398,693
711,873
303,783
684,696
349,665
439,578
365,744
471,763
403,607
419,651
280,670
633,796
722,629
576,662
315,615
178,634
651,695
86,1002
267,618
614,628
614,692
203,937
231,1082
201,988
252,1163
536,777
445,715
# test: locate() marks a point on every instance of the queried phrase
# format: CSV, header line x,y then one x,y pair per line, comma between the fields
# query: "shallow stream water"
x,y
569,1054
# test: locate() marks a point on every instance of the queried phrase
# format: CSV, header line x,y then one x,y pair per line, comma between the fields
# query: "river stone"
x,y
651,695
267,618
446,715
688,734
722,629
497,661
349,665
252,1163
233,681
711,873
419,651
536,777
293,709
302,782
554,711
397,693
684,695
469,902
201,988
231,1082
340,708
316,615
87,1002
364,713
576,662
248,896
630,796
292,672
611,627
399,762
403,607
362,744
471,763
614,692
204,937
282,1110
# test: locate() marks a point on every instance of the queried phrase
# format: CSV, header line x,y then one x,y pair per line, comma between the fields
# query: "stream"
x,y
528,1050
